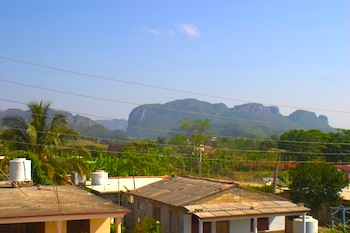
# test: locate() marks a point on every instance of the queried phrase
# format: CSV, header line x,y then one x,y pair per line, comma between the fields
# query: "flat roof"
x,y
117,184
239,209
64,201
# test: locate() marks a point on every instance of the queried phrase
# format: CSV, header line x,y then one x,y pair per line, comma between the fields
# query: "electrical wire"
x,y
220,136
188,147
149,105
154,86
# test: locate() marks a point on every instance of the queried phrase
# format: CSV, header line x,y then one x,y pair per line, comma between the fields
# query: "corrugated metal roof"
x,y
236,209
178,191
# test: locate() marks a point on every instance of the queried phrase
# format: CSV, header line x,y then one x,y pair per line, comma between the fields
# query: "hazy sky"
x,y
289,54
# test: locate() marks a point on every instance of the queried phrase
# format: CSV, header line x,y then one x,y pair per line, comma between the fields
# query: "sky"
x,y
102,59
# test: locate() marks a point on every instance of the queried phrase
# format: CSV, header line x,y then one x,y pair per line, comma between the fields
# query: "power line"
x,y
188,146
150,105
221,136
155,86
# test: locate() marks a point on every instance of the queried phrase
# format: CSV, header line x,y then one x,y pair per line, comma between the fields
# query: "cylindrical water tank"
x,y
20,169
99,177
311,225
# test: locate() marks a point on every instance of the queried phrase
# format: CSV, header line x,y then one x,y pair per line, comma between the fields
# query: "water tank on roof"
x,y
99,177
311,225
20,169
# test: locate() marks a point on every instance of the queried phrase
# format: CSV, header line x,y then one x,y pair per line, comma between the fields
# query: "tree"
x,y
196,130
303,145
48,137
197,135
317,185
338,149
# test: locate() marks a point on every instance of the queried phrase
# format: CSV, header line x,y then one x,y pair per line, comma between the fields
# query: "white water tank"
x,y
99,177
20,169
311,225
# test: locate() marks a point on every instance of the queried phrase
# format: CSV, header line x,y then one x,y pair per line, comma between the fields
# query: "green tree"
x,y
49,138
317,185
196,130
303,145
339,147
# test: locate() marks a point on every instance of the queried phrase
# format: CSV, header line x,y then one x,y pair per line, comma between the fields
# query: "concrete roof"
x,y
117,184
345,194
178,191
64,202
238,209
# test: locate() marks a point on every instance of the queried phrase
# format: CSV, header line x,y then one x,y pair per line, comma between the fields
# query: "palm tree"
x,y
49,138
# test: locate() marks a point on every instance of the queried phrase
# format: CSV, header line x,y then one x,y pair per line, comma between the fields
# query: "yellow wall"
x,y
56,227
100,225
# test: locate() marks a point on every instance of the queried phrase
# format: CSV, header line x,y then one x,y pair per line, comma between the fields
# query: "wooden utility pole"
x,y
274,183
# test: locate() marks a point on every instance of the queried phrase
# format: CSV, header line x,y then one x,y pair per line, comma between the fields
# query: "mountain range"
x,y
247,120
153,120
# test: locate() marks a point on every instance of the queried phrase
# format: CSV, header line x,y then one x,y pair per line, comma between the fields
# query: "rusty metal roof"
x,y
66,200
238,209
178,191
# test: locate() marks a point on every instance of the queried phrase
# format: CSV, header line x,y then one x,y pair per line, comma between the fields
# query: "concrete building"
x,y
195,205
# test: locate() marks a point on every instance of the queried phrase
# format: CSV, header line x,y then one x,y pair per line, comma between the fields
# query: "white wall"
x,y
240,226
277,223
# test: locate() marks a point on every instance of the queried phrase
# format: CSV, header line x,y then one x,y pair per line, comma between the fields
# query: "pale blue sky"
x,y
281,53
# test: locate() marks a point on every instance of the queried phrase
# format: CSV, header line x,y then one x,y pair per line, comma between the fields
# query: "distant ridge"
x,y
84,125
247,120
153,120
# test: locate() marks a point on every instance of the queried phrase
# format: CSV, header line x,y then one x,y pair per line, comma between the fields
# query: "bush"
x,y
146,225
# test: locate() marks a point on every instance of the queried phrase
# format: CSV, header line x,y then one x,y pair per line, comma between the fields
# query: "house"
x,y
198,205
56,209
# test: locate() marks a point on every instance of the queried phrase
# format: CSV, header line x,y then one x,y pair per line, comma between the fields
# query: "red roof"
x,y
343,167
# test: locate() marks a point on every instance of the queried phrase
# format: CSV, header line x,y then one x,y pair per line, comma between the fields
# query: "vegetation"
x,y
147,225
55,150
46,138
317,185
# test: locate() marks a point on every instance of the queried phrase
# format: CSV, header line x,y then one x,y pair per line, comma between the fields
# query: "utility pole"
x,y
201,149
273,190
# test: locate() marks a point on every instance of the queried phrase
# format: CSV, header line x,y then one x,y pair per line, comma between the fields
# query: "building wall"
x,y
240,226
100,225
56,227
96,226
170,217
187,221
277,223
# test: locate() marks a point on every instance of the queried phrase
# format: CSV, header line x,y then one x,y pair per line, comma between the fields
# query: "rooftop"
x,y
236,209
178,191
343,167
117,184
53,201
